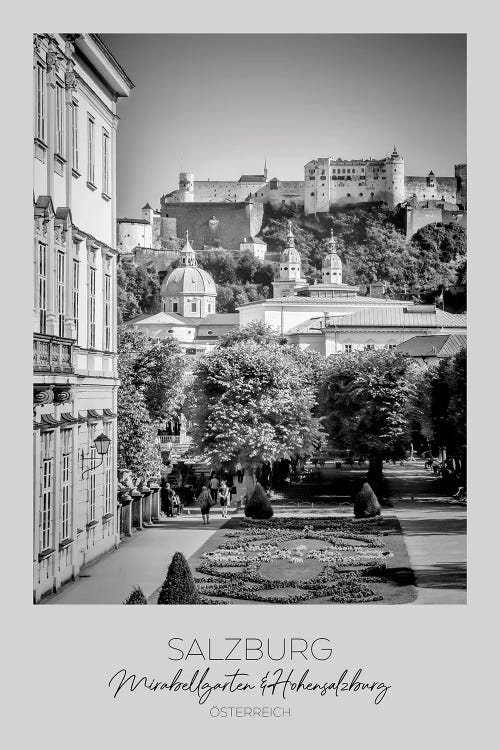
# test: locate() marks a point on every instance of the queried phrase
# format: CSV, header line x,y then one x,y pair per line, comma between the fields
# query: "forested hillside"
x,y
368,241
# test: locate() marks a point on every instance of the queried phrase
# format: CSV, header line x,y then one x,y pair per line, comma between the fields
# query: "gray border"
x,y
60,657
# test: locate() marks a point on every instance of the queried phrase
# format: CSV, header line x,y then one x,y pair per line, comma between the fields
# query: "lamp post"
x,y
101,444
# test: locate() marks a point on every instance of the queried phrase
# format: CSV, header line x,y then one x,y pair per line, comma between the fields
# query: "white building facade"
x,y
76,85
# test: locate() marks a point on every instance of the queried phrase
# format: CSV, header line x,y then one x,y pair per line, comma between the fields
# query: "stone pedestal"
x,y
147,506
155,502
136,509
126,515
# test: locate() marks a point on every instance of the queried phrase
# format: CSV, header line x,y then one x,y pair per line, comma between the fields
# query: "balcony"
x,y
52,354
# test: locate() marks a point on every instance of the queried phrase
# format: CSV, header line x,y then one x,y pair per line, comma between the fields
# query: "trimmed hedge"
x,y
136,596
366,504
179,586
258,505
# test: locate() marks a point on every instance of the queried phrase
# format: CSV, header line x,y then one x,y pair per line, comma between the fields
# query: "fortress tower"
x,y
395,179
186,187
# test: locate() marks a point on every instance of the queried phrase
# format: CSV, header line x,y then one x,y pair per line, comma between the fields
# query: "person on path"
x,y
239,472
224,497
204,501
166,496
214,487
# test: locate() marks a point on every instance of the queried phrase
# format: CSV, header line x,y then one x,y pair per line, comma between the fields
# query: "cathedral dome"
x,y
189,290
188,280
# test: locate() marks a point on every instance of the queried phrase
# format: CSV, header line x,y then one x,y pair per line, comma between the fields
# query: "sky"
x,y
219,105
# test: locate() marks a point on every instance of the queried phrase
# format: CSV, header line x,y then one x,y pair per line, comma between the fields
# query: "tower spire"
x,y
265,168
290,239
188,255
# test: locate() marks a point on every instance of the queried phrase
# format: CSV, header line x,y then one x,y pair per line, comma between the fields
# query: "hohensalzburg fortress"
x,y
328,182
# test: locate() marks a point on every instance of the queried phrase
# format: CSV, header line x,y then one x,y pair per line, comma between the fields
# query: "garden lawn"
x,y
305,560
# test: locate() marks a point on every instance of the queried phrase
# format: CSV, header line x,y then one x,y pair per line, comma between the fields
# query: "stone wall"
x,y
161,259
217,224
445,188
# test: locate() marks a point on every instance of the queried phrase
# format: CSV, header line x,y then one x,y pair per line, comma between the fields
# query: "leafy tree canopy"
x,y
366,399
253,402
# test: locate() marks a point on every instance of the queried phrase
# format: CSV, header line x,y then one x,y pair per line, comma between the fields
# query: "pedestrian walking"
x,y
239,472
205,502
224,497
214,487
166,498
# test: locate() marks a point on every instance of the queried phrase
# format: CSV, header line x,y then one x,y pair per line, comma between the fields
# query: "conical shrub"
x,y
258,505
136,596
366,504
179,586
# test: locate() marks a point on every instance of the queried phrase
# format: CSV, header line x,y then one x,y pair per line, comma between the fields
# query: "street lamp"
x,y
101,444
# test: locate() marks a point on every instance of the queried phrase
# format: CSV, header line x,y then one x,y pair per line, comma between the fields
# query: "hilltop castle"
x,y
229,214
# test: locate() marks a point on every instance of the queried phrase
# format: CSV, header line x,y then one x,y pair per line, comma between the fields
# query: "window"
x,y
391,346
348,348
369,347
312,194
91,151
107,312
46,506
175,306
40,102
311,178
59,120
193,306
107,484
210,333
42,286
74,133
76,293
61,273
92,307
361,195
105,162
66,495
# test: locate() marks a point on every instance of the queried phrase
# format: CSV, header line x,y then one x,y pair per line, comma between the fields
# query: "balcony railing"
x,y
164,439
52,354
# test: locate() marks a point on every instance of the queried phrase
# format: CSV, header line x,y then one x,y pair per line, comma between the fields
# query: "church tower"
x,y
290,274
188,290
331,268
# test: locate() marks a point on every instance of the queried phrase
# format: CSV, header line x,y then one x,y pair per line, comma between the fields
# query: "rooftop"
x,y
439,345
399,317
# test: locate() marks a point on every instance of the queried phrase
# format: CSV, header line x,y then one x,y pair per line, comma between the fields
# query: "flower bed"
x,y
294,560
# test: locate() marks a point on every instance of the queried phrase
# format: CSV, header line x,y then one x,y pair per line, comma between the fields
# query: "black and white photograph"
x,y
249,318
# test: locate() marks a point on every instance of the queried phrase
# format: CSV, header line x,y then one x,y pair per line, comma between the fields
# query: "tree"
x,y
138,290
219,263
179,586
442,406
366,399
256,331
253,402
151,391
155,369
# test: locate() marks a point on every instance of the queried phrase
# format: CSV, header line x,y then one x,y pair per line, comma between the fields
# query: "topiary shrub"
x,y
366,504
179,586
258,505
136,596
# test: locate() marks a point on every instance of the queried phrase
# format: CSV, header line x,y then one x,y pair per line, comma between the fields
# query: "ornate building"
x,y
74,312
189,290
189,297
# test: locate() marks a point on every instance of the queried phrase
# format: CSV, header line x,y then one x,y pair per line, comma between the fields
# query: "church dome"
x,y
290,255
190,280
332,259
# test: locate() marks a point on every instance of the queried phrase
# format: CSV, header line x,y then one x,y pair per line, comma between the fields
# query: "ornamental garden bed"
x,y
305,560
